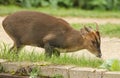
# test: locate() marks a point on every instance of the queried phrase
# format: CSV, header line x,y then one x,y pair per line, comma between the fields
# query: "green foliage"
x,y
101,4
115,65
67,3
111,64
98,4
30,3
34,73
84,4
6,2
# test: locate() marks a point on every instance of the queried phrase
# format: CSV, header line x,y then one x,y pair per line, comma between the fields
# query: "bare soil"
x,y
92,20
110,46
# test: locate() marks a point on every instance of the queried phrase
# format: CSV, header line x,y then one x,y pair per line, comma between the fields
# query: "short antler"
x,y
97,26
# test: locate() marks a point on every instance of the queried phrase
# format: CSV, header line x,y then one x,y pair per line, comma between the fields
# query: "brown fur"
x,y
42,30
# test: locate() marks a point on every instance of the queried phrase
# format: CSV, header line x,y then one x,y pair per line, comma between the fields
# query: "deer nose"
x,y
99,55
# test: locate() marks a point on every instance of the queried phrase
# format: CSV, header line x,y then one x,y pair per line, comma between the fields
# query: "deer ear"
x,y
83,31
82,34
87,35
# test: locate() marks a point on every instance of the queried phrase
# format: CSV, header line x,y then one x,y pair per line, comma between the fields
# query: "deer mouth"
x,y
99,55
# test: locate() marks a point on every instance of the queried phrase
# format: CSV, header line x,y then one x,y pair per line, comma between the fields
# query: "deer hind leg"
x,y
16,47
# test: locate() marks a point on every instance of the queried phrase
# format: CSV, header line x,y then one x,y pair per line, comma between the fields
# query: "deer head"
x,y
92,40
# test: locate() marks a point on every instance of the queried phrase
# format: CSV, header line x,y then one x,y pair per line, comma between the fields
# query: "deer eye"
x,y
95,44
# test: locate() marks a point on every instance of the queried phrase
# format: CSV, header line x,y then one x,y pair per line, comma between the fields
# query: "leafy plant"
x,y
3,2
115,65
34,73
84,4
29,3
111,64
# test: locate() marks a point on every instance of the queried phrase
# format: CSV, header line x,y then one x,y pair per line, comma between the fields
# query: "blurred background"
x,y
59,7
81,4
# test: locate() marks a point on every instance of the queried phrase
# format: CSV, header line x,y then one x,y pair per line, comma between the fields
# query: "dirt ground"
x,y
92,20
110,46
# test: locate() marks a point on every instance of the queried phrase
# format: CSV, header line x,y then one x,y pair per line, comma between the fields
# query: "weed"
x,y
34,73
115,65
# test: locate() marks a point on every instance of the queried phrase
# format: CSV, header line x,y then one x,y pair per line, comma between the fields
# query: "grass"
x,y
109,30
35,57
63,12
111,65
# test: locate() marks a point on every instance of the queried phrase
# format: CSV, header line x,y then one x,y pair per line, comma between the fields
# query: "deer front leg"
x,y
56,52
48,50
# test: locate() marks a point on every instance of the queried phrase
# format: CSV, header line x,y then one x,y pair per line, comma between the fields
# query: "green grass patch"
x,y
110,64
64,12
35,57
109,30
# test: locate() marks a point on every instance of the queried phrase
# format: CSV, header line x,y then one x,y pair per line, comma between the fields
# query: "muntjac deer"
x,y
50,33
